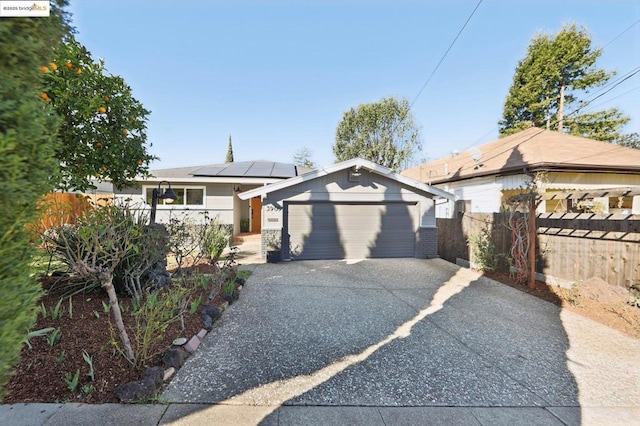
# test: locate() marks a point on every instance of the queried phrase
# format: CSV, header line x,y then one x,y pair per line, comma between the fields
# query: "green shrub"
x,y
139,249
154,314
482,249
185,240
27,169
216,238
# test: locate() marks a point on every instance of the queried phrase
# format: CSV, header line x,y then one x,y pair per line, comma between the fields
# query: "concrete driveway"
x,y
352,342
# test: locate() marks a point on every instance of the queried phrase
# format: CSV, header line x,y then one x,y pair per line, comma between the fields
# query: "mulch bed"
x,y
40,374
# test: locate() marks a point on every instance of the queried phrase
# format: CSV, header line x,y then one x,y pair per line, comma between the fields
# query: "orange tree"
x,y
103,131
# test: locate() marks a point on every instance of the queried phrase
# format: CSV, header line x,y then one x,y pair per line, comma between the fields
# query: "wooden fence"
x,y
58,208
571,247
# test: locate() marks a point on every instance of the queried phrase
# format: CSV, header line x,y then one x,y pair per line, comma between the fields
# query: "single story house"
x,y
576,174
351,210
213,190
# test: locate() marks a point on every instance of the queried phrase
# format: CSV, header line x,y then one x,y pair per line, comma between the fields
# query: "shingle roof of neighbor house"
x,y
533,149
264,169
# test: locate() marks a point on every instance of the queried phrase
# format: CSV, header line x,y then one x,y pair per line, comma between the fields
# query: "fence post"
x,y
532,243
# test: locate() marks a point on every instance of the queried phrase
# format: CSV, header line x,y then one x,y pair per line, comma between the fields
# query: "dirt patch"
x,y
594,299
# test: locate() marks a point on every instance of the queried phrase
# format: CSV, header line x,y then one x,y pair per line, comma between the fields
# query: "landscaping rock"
x,y
174,358
179,341
240,281
135,392
153,376
168,373
192,344
144,389
211,311
207,323
210,314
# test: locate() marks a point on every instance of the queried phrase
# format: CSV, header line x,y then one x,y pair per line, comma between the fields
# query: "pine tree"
x,y
229,158
548,83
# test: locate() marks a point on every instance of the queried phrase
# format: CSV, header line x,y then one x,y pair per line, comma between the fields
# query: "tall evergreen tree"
x,y
549,83
229,158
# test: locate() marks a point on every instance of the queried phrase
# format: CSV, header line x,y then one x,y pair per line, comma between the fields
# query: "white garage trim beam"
x,y
356,163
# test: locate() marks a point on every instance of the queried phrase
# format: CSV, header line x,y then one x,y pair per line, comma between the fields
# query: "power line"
x,y
613,86
444,56
620,35
612,99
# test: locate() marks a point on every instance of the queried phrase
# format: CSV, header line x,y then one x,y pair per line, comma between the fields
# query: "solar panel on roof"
x,y
261,168
208,171
283,170
248,169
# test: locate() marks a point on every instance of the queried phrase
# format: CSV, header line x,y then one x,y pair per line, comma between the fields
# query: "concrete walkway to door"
x,y
402,341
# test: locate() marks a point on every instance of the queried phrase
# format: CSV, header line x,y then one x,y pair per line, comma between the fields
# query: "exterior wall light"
x,y
168,195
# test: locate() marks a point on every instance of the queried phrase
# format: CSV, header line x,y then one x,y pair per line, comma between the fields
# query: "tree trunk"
x,y
107,283
560,115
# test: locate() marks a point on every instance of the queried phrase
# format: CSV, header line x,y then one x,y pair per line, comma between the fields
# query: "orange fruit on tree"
x,y
139,162
53,66
125,131
44,69
99,145
44,96
69,65
102,110
78,71
106,98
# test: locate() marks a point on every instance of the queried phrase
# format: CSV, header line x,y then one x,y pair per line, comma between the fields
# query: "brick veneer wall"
x,y
427,245
267,235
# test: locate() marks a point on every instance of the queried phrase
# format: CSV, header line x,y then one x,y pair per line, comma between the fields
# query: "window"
x,y
620,203
187,196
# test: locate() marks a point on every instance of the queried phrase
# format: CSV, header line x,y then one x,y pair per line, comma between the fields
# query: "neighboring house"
x,y
484,178
352,210
212,189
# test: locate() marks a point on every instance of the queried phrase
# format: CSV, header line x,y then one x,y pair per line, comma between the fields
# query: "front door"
x,y
256,215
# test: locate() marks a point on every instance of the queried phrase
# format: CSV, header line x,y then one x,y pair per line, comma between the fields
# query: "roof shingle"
x,y
532,149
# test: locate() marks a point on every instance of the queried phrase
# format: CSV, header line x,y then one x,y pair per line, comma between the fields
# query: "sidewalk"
x,y
196,414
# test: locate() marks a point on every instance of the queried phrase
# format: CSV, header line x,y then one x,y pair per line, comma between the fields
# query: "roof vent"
x,y
476,155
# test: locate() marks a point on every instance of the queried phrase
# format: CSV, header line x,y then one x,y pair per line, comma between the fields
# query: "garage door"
x,y
352,230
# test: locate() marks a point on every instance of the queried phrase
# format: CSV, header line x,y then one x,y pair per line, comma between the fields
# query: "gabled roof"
x,y
247,169
353,163
533,149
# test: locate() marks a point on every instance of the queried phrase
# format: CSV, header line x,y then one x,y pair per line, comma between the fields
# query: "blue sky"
x,y
279,75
